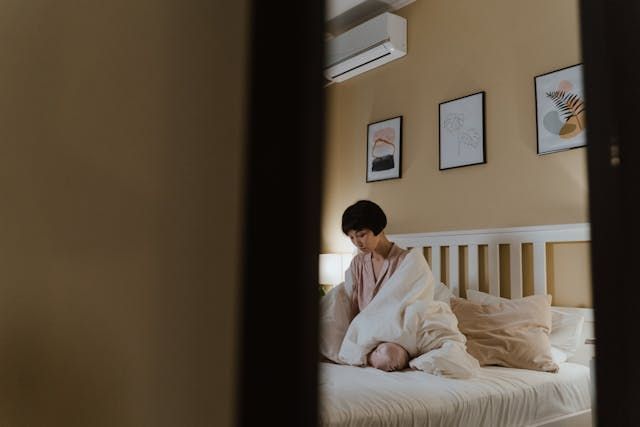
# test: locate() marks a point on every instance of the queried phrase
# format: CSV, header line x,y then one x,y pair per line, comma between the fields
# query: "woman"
x,y
377,260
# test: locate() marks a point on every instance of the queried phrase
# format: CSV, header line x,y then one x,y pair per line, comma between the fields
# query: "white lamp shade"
x,y
331,272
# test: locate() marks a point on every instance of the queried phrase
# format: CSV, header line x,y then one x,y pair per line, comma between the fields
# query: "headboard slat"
x,y
515,267
454,270
435,263
472,267
539,268
494,269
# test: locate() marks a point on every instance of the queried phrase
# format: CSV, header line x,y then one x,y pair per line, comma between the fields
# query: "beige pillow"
x,y
566,327
512,333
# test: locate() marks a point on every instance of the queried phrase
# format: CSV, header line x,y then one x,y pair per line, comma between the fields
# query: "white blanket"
x,y
403,312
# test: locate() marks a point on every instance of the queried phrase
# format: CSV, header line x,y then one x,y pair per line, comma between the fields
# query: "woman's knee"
x,y
389,357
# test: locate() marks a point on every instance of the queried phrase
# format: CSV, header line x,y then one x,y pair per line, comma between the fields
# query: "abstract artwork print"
x,y
560,110
384,140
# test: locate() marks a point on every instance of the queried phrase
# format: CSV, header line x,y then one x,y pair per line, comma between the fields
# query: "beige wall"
x,y
458,47
120,141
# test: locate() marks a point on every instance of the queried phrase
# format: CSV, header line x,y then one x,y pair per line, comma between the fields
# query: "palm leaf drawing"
x,y
568,104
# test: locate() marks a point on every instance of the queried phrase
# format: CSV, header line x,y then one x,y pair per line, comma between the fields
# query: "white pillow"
x,y
442,293
335,316
558,356
566,328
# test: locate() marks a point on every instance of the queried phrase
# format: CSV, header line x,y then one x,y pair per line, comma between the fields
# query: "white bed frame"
x,y
539,237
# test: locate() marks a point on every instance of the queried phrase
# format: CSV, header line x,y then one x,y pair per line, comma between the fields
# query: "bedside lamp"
x,y
332,268
330,272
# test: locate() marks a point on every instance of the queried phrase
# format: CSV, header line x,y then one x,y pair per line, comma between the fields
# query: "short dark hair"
x,y
364,214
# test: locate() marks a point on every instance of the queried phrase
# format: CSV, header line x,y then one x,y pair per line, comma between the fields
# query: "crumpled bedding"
x,y
403,312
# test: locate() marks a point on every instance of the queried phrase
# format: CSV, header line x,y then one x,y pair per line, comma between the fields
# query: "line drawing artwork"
x,y
461,133
454,124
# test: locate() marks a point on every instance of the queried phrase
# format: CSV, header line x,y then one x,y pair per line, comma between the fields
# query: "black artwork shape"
x,y
383,163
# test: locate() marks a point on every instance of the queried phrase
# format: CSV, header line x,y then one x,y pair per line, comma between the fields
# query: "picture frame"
x,y
560,110
384,150
461,131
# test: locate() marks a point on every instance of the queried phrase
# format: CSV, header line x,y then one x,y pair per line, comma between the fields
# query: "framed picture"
x,y
462,132
384,145
560,110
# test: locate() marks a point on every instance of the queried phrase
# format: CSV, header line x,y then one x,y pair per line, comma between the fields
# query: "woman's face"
x,y
364,239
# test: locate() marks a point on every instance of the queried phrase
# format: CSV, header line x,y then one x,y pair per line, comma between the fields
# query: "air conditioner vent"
x,y
369,45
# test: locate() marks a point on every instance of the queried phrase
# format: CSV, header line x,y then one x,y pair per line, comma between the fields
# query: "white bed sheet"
x,y
353,396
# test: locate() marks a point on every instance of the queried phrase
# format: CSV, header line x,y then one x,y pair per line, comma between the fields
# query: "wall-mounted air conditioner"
x,y
369,45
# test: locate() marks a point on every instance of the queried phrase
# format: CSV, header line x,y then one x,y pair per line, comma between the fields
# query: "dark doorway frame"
x,y
279,332
610,44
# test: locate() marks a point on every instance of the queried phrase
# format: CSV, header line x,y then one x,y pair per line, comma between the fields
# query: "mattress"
x,y
354,396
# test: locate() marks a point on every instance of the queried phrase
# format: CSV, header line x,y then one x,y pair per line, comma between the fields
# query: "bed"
x,y
497,396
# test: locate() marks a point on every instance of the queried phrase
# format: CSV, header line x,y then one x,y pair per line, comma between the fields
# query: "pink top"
x,y
365,286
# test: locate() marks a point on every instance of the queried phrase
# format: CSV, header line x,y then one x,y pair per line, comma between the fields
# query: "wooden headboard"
x,y
538,236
